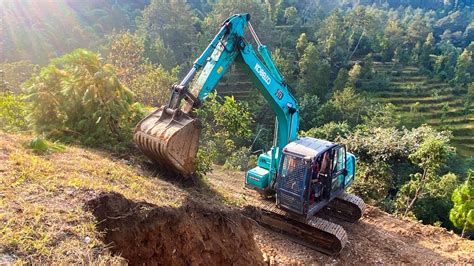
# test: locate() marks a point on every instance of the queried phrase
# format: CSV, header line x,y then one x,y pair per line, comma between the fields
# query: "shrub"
x,y
12,112
241,160
79,97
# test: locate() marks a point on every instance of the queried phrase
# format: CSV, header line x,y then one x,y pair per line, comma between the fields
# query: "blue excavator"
x,y
305,177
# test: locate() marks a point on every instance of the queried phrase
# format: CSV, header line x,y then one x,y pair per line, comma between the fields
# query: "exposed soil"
x,y
41,219
377,238
144,233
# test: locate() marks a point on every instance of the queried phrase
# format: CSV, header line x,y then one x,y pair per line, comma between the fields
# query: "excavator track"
x,y
346,207
315,233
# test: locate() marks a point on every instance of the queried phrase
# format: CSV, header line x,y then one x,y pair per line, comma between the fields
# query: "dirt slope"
x,y
377,238
42,216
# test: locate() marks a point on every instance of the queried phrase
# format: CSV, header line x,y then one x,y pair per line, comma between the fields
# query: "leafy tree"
x,y
463,69
341,79
435,204
331,37
395,36
367,69
417,30
426,51
382,116
226,127
291,15
301,44
445,63
429,156
309,107
331,131
373,181
153,86
284,64
126,54
78,96
462,214
354,75
346,105
174,25
260,19
444,112
314,72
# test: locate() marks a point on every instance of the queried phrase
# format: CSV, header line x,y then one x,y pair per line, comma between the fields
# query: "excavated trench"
x,y
144,233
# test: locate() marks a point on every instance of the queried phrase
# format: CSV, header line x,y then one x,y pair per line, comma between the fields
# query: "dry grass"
x,y
41,199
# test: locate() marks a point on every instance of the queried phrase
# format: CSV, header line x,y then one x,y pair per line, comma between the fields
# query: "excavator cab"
x,y
312,173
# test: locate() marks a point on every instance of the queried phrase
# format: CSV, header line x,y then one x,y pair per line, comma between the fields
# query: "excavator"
x,y
302,177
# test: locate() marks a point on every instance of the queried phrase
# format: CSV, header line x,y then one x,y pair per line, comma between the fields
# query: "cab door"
x,y
338,169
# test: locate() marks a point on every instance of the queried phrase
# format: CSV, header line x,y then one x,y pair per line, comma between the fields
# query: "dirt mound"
x,y
192,234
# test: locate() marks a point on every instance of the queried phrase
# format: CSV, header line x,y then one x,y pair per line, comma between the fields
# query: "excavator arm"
x,y
228,44
170,137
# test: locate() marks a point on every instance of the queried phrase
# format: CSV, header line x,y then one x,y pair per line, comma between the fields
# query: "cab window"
x,y
339,159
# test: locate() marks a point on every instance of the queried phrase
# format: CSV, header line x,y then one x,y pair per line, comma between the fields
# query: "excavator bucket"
x,y
169,138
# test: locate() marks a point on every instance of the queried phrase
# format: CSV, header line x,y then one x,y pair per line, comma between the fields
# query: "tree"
x,y
126,54
260,19
341,79
345,105
417,29
301,44
429,156
285,64
426,51
444,112
309,108
462,74
462,214
395,37
434,206
291,15
171,24
314,72
78,96
226,126
13,74
331,131
354,75
153,86
331,37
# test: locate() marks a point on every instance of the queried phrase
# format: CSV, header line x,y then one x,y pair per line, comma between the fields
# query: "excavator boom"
x,y
170,135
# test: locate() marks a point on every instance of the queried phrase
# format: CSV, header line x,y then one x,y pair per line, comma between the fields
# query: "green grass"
x,y
42,194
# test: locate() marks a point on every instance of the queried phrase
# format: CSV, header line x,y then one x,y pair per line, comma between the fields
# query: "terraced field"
x,y
437,103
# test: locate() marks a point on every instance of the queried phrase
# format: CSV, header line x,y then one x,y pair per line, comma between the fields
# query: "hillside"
x,y
409,90
50,205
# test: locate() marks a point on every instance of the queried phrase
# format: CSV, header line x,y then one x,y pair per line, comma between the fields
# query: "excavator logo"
x,y
262,73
